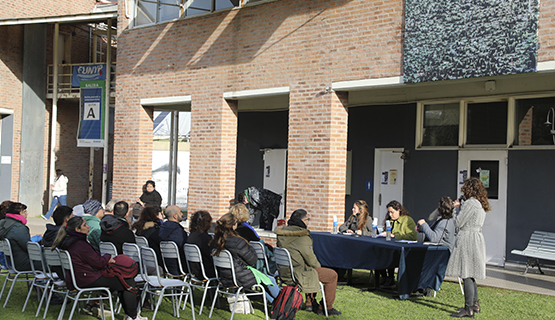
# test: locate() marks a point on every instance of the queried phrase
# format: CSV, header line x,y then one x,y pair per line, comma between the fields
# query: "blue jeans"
x,y
55,200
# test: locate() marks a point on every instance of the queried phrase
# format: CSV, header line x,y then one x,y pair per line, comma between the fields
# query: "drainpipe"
x,y
107,115
54,113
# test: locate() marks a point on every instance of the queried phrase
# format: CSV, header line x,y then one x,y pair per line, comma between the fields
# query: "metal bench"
x,y
540,246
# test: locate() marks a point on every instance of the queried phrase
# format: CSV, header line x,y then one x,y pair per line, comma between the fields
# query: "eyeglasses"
x,y
306,219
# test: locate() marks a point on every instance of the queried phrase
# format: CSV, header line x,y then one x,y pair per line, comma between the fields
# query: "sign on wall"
x,y
88,72
449,39
91,114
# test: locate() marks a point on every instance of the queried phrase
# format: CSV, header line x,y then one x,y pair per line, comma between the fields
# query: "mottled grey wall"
x,y
32,118
450,39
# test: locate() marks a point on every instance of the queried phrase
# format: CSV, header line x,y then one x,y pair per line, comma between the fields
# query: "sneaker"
x,y
45,218
91,310
331,312
138,317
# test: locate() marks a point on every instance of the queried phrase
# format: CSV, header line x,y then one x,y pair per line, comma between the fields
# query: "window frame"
x,y
463,112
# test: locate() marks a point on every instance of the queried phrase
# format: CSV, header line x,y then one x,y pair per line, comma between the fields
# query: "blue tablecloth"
x,y
420,266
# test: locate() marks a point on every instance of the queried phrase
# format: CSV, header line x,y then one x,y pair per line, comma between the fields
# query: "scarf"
x,y
296,222
17,217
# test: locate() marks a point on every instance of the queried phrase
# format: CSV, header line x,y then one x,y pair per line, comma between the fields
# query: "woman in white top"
x,y
59,193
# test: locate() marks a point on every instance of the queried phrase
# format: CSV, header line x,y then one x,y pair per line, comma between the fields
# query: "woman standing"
x,y
88,265
468,260
59,192
358,222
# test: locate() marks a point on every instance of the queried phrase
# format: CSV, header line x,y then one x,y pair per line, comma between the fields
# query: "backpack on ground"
x,y
287,303
124,268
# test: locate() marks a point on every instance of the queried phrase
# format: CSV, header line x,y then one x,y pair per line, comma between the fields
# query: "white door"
x,y
275,172
388,180
491,168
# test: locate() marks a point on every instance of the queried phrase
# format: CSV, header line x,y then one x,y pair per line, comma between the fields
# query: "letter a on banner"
x,y
92,113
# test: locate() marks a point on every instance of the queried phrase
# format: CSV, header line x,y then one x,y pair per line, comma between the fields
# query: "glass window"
x,y
487,123
441,125
155,11
535,125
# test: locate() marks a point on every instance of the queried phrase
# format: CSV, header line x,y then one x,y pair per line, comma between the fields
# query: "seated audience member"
x,y
442,229
115,228
14,228
244,258
78,210
148,226
359,222
295,237
244,229
93,212
61,215
88,264
172,230
150,196
3,207
199,225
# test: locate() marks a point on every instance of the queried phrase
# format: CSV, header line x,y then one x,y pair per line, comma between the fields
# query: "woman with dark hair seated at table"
x,y
442,229
403,228
359,221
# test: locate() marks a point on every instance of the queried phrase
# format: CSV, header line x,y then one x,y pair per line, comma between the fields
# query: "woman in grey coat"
x,y
468,260
441,229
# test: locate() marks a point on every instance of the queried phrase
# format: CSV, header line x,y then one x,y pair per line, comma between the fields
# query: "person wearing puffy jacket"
x,y
244,256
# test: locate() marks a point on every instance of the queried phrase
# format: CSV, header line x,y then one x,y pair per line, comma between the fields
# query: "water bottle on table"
x,y
388,230
334,229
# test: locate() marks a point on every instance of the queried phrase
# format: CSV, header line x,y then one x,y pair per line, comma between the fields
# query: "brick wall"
x,y
546,31
11,73
43,8
305,45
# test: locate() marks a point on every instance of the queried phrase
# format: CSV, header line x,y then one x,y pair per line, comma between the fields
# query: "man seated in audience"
x,y
60,216
114,226
308,272
172,230
92,213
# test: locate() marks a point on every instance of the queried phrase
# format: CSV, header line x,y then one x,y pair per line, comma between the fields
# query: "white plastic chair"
x,y
83,294
170,250
14,274
193,255
261,254
108,248
58,284
225,261
163,287
42,279
283,258
141,241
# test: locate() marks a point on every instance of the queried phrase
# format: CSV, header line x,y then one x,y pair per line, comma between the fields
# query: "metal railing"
x,y
65,78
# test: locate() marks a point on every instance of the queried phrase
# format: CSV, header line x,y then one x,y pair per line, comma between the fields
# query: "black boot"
x,y
466,312
476,306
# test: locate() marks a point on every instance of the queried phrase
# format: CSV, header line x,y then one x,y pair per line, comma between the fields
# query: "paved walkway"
x,y
511,277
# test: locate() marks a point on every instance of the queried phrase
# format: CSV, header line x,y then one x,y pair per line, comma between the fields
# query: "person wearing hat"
x,y
93,212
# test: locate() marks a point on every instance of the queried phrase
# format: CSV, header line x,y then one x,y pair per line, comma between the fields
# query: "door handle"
x,y
380,199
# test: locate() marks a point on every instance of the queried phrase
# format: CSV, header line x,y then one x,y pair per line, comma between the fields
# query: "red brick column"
x,y
317,153
213,153
132,148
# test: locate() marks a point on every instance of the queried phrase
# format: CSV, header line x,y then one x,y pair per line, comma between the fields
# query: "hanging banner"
x,y
91,114
88,72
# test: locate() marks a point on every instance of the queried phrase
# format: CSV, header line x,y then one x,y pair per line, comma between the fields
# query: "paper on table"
x,y
406,241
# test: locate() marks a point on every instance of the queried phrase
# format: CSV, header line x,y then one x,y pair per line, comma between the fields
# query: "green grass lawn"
x,y
352,302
